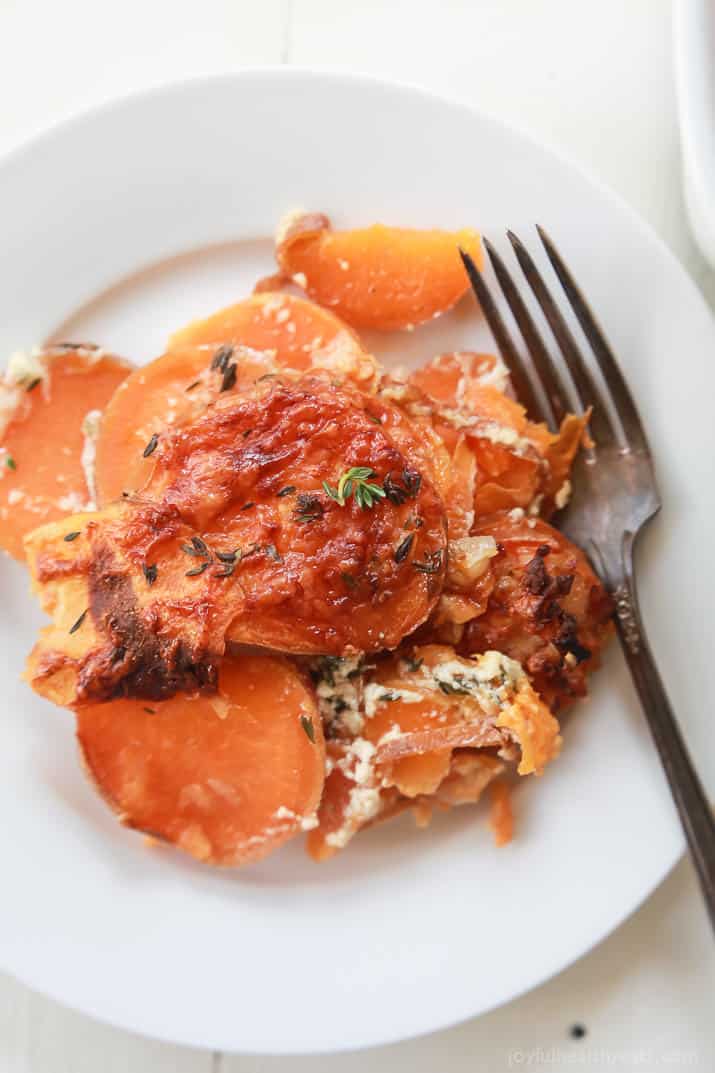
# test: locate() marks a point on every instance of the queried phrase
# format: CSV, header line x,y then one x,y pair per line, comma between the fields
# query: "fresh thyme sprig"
x,y
356,482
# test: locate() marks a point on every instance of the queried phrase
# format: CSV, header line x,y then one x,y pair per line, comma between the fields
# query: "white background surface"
x,y
594,80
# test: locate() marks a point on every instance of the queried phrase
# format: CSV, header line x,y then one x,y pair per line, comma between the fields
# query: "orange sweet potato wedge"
x,y
260,336
226,778
42,476
376,277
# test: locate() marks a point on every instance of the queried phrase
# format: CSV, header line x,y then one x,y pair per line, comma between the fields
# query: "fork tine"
x,y
542,367
586,389
505,344
620,392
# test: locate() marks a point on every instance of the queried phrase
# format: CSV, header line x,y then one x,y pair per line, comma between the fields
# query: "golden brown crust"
x,y
235,537
545,607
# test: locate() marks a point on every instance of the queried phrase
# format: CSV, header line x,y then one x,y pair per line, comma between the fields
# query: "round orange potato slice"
x,y
376,277
227,352
50,404
228,778
299,334
316,572
284,517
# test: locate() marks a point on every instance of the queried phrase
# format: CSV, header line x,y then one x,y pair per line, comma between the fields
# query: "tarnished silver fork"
x,y
614,494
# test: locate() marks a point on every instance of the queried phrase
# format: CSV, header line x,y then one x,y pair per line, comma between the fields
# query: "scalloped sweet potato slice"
x,y
235,538
545,606
376,277
227,778
469,775
42,476
173,389
257,337
507,470
301,334
450,702
419,708
447,377
508,446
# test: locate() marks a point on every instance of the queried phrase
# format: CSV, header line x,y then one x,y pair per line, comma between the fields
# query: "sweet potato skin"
x,y
228,778
376,277
41,473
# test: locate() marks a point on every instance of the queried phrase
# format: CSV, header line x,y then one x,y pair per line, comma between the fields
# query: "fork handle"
x,y
696,814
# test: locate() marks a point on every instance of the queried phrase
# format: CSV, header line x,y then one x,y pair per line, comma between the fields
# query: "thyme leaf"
x,y
151,446
456,688
356,482
272,552
408,489
150,572
200,546
228,556
197,569
431,564
307,723
308,508
229,377
80,620
403,549
225,571
221,358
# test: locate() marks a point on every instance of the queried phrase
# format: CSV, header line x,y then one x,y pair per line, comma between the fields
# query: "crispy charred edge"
x,y
543,591
136,662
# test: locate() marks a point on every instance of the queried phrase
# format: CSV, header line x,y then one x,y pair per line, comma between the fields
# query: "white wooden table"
x,y
592,79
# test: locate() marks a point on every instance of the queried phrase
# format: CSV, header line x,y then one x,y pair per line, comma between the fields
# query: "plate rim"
x,y
14,157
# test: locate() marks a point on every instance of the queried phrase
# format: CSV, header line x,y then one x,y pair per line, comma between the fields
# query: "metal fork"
x,y
614,494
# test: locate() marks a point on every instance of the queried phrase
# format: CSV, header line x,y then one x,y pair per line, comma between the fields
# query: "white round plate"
x,y
122,225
